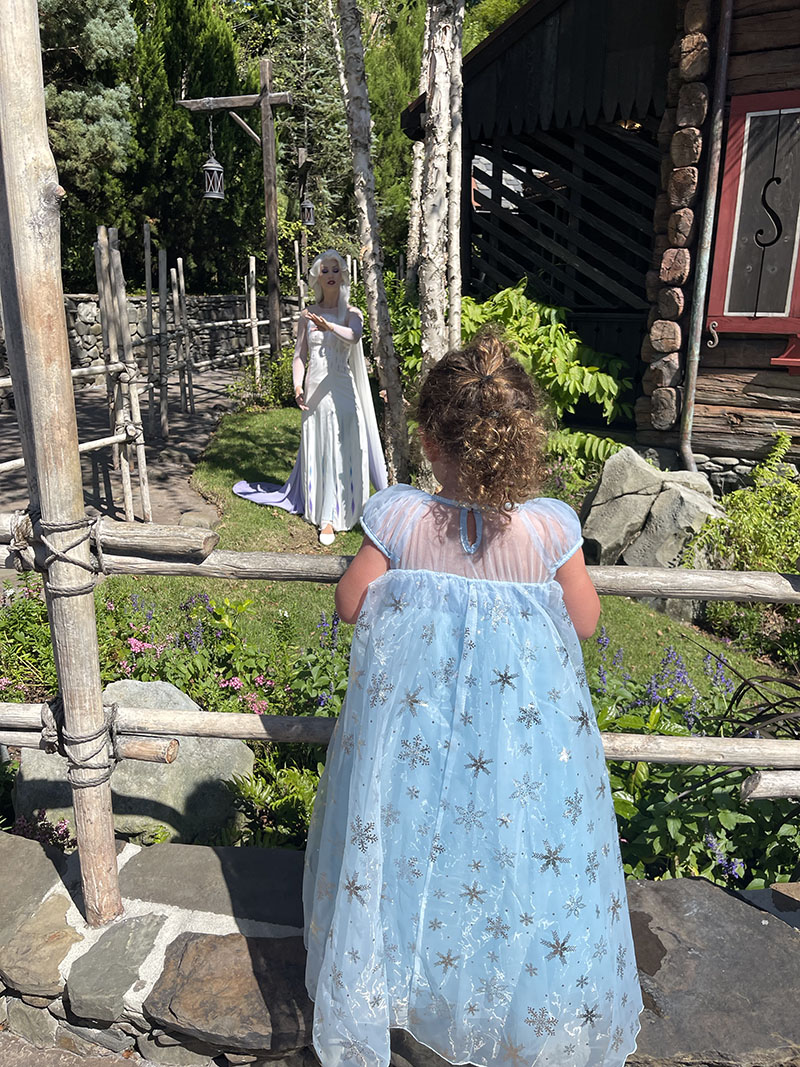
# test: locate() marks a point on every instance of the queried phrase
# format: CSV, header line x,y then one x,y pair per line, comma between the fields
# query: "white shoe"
x,y
326,538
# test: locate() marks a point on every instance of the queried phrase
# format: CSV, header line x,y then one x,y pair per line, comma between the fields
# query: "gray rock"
x,y
107,1037
36,1025
676,515
44,869
720,979
3,1011
30,960
187,797
38,1002
173,1055
100,978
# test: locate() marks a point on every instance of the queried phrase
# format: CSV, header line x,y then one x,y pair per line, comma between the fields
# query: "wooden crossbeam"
x,y
612,178
231,103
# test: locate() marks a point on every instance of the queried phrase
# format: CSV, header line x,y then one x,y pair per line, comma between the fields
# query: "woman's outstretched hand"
x,y
319,321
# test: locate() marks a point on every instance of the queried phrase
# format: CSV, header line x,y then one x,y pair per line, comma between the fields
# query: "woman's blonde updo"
x,y
486,415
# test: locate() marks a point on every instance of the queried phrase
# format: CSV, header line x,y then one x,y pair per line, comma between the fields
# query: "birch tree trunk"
x,y
434,244
454,203
358,122
415,192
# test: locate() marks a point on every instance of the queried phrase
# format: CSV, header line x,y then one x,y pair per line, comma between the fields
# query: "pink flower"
x,y
257,706
139,646
236,683
5,683
109,605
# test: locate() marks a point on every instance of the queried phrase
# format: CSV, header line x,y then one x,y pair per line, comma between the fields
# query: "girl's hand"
x,y
298,397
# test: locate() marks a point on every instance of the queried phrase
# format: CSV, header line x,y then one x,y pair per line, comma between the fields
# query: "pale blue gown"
x,y
463,876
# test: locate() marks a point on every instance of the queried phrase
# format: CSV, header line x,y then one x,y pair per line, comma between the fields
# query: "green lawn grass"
x,y
256,445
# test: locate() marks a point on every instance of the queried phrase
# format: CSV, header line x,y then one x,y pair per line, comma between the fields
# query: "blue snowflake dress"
x,y
463,878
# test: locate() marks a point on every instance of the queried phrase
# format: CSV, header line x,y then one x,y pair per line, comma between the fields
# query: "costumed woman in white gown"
x,y
340,449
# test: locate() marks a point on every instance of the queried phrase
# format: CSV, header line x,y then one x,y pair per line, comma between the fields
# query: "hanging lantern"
x,y
307,212
213,174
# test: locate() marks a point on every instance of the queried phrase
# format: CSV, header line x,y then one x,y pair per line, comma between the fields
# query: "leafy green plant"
x,y
759,530
27,667
276,387
275,804
574,462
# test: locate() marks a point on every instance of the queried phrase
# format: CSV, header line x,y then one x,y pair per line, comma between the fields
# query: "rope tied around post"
x,y
89,532
103,757
21,536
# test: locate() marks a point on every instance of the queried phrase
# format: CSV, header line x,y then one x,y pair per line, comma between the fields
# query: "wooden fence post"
x,y
252,311
163,345
148,329
38,355
187,334
180,340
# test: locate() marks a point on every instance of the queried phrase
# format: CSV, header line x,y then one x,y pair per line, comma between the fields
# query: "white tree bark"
x,y
415,192
358,122
454,204
434,243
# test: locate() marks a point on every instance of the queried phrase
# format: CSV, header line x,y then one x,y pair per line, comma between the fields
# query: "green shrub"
x,y
276,388
759,531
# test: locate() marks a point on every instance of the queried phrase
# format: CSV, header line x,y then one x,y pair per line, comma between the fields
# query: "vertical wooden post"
x,y
148,327
187,334
253,313
38,356
298,275
108,310
132,375
163,344
270,210
112,382
180,347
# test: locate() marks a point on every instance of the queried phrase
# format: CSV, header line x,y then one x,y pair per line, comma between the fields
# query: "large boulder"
x,y
183,801
644,517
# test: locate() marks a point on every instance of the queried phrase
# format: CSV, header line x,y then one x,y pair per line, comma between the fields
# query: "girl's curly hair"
x,y
487,416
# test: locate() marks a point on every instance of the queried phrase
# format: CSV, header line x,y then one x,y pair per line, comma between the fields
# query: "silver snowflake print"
x,y
504,678
379,689
592,866
529,716
324,888
504,857
412,792
498,613
532,971
415,752
558,947
582,982
390,951
408,869
582,719
580,673
411,701
621,954
492,957
469,816
478,763
610,996
493,989
542,1021
353,1050
569,1050
476,865
554,695
469,644
428,633
446,672
601,790
528,653
337,977
525,613
435,924
390,815
527,789
551,857
376,1000
354,955
590,827
497,928
397,603
563,655
573,806
348,743
564,755
513,1053
362,626
525,749
363,834
465,719
574,905
470,680
504,821
614,907
624,999
354,889
605,850
600,949
526,919
437,848
589,1016
617,1039
473,893
471,1009
446,960
439,894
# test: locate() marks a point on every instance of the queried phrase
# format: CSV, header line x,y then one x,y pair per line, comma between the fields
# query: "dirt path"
x,y
169,464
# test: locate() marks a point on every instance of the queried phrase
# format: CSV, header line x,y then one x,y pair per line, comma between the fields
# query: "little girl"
x,y
463,877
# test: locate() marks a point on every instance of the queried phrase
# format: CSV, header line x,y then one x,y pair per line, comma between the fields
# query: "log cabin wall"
x,y
740,400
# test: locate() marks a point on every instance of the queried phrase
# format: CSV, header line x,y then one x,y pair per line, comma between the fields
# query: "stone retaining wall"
x,y
86,340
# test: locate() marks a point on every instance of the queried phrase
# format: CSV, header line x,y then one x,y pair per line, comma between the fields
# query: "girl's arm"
x,y
368,564
580,596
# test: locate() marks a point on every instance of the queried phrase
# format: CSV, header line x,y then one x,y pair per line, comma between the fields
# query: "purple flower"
x,y
731,868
